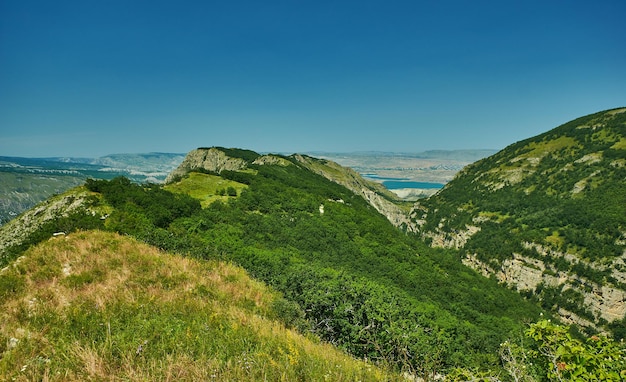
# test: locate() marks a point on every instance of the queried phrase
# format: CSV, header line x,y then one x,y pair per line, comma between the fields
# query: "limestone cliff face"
x,y
524,273
545,215
210,159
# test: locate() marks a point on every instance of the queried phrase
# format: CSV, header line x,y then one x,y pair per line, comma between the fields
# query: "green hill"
x,y
24,182
353,278
546,215
100,306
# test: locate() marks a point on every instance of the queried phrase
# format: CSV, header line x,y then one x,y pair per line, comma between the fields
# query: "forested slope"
x,y
352,278
547,215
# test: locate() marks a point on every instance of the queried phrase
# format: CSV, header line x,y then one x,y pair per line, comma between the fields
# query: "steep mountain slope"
x,y
217,159
547,216
362,283
375,194
100,306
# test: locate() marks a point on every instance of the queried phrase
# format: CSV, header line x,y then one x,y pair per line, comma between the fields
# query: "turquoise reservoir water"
x,y
396,184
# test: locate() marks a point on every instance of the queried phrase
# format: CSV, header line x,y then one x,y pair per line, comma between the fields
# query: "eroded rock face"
x,y
271,160
209,159
451,239
526,274
19,229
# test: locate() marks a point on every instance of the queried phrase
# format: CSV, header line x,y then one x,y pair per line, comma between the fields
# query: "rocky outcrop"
x,y
455,239
525,273
394,214
17,231
209,159
271,160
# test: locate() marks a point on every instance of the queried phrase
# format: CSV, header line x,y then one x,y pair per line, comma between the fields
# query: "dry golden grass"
x,y
103,307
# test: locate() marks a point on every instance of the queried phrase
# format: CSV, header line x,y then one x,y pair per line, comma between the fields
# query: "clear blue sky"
x,y
90,78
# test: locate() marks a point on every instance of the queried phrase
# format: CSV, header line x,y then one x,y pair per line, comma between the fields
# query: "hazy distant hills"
x,y
411,176
151,167
547,216
25,182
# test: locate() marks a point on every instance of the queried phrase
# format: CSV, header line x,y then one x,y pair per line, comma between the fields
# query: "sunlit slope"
x,y
347,274
361,283
100,306
546,215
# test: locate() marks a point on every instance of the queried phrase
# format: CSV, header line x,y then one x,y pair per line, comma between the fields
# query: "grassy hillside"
x,y
546,215
24,182
207,188
21,191
99,306
351,277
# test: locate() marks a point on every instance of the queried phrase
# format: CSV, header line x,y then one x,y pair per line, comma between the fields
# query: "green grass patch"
x,y
207,188
555,240
620,145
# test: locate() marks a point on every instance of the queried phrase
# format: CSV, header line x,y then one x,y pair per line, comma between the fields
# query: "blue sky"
x,y
90,78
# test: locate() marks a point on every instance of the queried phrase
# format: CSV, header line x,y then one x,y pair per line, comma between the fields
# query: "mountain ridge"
x,y
543,216
546,216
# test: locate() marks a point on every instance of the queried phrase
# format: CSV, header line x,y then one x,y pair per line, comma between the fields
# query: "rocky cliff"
x,y
547,216
217,159
210,159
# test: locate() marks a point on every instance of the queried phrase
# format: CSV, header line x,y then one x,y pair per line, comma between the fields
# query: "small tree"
x,y
555,356
231,191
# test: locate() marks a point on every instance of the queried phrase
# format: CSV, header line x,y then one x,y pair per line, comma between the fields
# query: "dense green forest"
x,y
561,192
348,275
564,188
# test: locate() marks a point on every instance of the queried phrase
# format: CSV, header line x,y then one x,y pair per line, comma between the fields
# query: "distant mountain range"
x,y
151,167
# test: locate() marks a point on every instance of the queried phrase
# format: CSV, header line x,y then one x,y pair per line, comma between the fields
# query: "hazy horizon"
x,y
318,152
